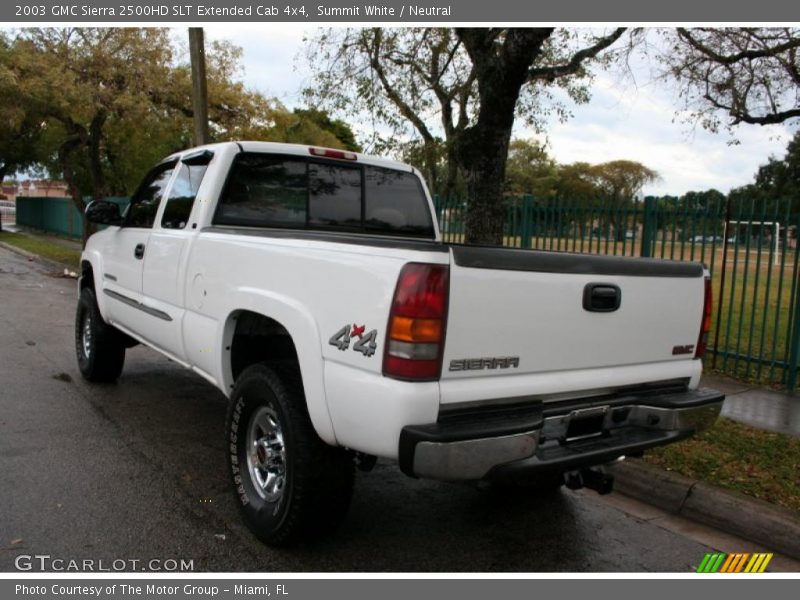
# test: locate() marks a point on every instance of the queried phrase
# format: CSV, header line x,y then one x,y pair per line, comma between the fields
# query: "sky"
x,y
623,120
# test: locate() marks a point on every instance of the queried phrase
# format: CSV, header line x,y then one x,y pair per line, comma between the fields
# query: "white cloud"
x,y
269,54
626,122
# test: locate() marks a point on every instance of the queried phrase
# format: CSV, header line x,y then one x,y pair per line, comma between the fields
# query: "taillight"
x,y
417,320
705,324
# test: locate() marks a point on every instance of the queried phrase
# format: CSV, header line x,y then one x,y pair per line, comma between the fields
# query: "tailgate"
x,y
517,313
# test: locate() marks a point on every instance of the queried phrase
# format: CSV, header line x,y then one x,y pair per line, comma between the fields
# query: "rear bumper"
x,y
531,437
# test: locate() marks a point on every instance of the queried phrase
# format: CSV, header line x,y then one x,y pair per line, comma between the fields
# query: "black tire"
x,y
100,348
312,482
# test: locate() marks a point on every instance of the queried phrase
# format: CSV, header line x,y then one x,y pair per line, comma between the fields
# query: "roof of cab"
x,y
299,150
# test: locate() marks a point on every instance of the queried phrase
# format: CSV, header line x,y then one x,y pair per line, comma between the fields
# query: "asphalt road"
x,y
136,471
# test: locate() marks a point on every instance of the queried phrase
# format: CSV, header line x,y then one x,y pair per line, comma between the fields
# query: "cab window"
x,y
182,195
144,203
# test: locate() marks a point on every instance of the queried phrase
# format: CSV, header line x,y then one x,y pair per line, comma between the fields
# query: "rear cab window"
x,y
265,190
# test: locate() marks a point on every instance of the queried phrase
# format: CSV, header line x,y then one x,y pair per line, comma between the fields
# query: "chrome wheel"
x,y
86,334
266,454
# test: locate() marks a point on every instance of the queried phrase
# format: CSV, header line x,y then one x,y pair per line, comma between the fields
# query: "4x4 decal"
x,y
366,342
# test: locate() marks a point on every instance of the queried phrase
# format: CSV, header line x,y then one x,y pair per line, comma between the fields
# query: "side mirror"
x,y
103,212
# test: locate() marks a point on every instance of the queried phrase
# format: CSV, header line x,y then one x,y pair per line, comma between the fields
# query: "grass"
x,y
44,246
736,457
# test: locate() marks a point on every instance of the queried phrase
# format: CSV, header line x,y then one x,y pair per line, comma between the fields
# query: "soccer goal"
x,y
741,228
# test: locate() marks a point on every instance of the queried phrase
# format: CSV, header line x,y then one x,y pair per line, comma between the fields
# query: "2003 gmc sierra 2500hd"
x,y
311,286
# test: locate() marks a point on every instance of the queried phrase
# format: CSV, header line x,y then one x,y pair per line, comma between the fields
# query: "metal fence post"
x,y
525,218
791,376
794,332
648,227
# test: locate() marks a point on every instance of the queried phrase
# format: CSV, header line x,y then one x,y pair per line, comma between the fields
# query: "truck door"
x,y
163,285
126,250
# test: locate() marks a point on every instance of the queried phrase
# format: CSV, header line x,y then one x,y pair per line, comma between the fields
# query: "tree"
x,y
81,81
467,84
620,181
530,170
112,102
779,179
346,138
400,78
20,124
745,74
576,182
709,200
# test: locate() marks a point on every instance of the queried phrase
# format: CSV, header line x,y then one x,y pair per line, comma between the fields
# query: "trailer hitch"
x,y
594,478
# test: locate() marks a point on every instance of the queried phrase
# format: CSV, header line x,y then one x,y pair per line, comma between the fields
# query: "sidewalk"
x,y
757,406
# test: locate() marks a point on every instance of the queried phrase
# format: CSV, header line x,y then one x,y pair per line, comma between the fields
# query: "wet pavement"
x,y
766,409
136,471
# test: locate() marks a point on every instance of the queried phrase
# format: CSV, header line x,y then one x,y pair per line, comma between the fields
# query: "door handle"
x,y
138,252
601,297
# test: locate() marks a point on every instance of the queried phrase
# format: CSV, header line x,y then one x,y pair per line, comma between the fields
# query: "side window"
x,y
181,196
265,191
144,203
334,196
394,203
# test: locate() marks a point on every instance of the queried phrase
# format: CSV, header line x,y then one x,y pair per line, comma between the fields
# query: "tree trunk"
x,y
432,166
95,158
482,156
3,172
451,176
482,150
64,155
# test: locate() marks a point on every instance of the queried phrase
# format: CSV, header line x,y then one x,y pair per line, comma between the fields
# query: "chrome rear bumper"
x,y
524,438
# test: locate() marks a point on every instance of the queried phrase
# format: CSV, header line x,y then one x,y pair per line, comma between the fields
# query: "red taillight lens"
x,y
705,324
415,332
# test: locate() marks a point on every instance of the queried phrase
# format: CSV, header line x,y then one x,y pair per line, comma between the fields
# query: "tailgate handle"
x,y
601,297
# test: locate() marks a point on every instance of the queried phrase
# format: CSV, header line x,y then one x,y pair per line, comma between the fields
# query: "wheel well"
x,y
257,339
87,275
87,281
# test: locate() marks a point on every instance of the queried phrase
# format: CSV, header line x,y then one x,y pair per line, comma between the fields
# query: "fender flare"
x,y
302,328
95,260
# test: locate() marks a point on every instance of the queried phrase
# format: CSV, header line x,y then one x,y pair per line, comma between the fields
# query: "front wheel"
x,y
289,484
100,348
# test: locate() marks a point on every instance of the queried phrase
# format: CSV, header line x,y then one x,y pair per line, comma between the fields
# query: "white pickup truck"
x,y
312,287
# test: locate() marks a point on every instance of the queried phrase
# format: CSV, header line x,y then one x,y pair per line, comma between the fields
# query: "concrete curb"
x,y
50,264
20,251
761,522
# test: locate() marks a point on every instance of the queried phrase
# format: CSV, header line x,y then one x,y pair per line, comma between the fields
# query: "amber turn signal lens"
x,y
408,329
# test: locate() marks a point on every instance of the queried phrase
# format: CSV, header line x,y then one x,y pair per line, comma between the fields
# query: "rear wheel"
x,y
99,347
289,484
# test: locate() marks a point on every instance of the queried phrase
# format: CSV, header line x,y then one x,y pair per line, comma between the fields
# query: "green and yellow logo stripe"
x,y
740,562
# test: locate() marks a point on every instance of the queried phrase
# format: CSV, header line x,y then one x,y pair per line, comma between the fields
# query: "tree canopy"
x,y
447,87
99,106
733,75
